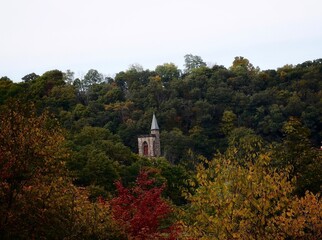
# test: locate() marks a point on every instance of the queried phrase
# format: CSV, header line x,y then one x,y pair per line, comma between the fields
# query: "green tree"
x,y
297,151
69,76
175,145
93,77
41,87
228,122
193,62
30,77
5,84
61,97
97,156
167,72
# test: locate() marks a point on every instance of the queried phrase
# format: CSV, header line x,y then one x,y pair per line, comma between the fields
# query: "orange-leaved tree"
x,y
30,147
37,197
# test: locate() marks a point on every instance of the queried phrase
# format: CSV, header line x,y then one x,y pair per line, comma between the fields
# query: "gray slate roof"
x,y
154,125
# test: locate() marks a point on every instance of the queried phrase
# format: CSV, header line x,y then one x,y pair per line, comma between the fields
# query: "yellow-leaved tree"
x,y
248,201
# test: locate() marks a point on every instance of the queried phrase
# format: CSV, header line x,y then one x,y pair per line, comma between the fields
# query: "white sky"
x,y
41,35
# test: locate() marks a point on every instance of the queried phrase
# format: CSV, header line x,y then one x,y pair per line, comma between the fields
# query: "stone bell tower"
x,y
149,145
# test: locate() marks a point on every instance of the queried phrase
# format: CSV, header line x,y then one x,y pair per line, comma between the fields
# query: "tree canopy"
x,y
241,153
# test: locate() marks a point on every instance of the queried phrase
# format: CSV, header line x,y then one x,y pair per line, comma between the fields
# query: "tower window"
x,y
145,149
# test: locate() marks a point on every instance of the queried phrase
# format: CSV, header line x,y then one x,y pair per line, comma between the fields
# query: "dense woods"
x,y
241,156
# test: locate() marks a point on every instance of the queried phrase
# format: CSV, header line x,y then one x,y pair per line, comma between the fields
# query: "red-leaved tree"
x,y
141,210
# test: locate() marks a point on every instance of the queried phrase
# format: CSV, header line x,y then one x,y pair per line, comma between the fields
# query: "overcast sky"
x,y
41,35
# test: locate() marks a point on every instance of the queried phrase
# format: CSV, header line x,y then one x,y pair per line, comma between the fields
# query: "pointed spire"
x,y
154,125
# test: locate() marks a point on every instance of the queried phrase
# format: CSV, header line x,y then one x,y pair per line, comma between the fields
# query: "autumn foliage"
x,y
141,210
254,201
37,197
248,192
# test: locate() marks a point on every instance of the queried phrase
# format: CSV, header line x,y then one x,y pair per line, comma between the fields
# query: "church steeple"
x,y
154,124
149,145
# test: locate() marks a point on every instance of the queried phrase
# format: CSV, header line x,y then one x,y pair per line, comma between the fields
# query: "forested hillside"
x,y
241,155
